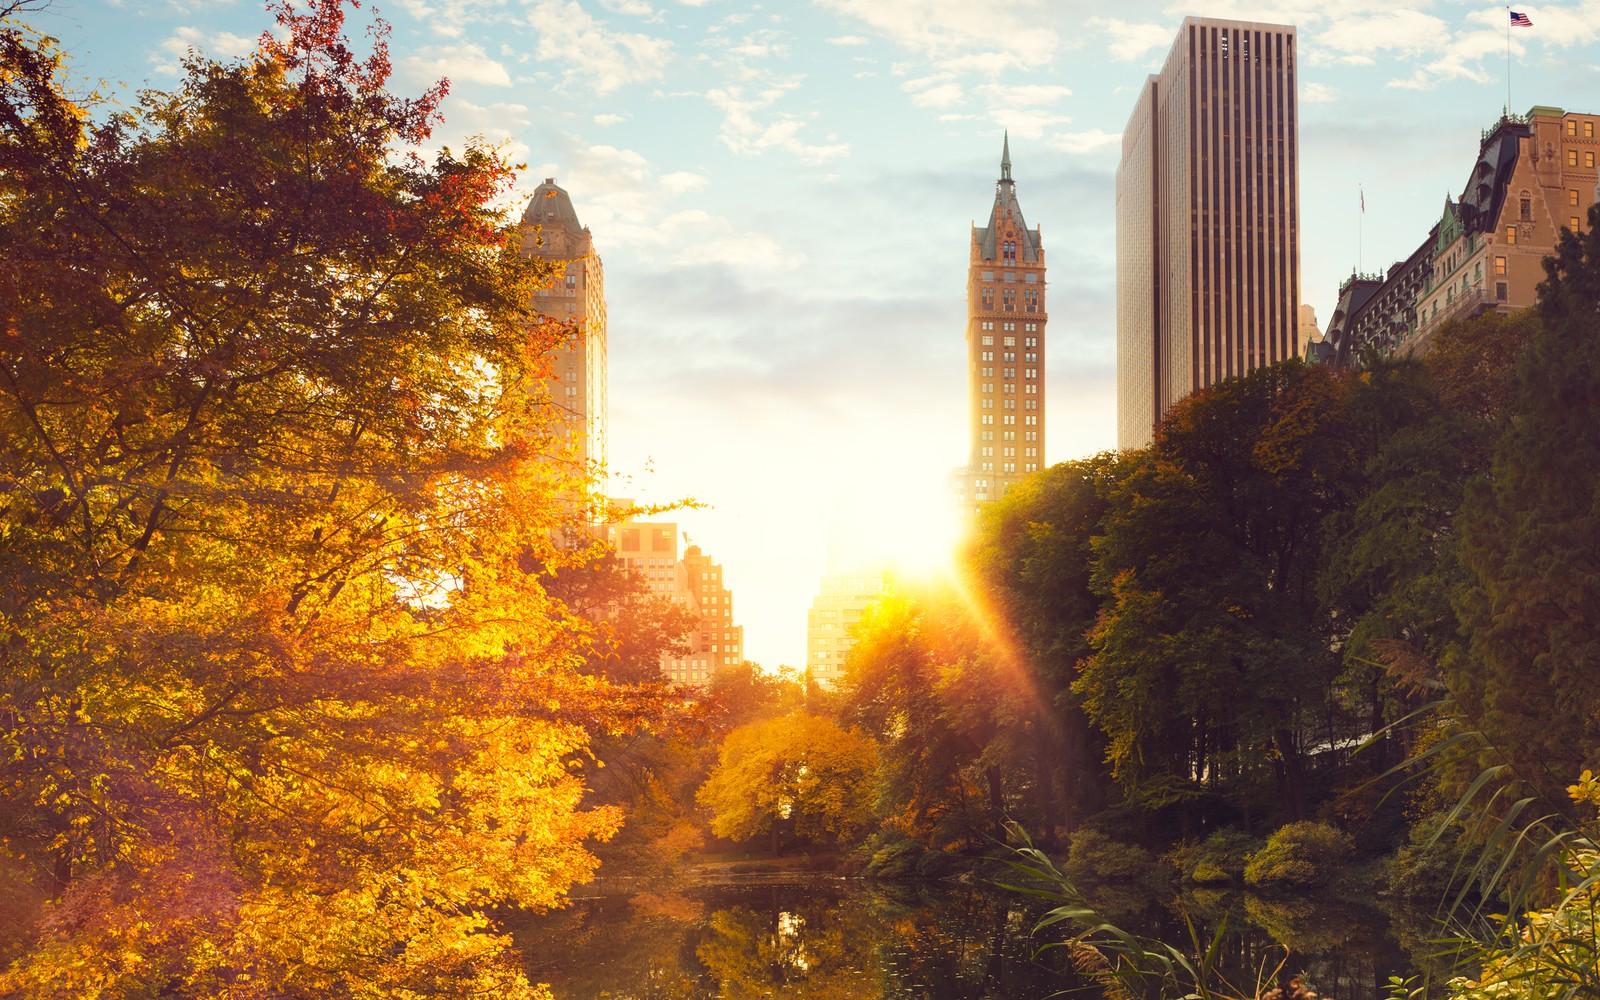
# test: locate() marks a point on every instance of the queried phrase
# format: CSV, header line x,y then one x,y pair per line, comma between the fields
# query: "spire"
x,y
1005,157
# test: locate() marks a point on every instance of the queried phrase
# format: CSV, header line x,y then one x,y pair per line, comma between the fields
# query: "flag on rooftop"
x,y
1521,20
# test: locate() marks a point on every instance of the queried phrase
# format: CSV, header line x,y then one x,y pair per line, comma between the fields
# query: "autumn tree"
x,y
800,773
282,712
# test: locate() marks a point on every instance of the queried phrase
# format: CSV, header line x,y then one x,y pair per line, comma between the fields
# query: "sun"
x,y
912,531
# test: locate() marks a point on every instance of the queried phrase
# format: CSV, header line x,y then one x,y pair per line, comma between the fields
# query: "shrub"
x,y
1094,857
1300,854
1219,859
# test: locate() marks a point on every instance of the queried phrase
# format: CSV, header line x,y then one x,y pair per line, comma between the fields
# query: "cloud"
x,y
610,119
937,92
171,52
1317,93
749,99
849,40
1088,141
1023,95
591,54
940,28
619,193
1132,42
459,63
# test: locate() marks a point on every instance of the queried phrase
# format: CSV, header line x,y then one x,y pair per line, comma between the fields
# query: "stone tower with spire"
x,y
577,298
1006,321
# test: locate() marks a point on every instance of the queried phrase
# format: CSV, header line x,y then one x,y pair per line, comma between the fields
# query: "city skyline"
x,y
764,365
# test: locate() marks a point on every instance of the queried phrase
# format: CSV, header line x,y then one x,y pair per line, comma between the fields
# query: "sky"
x,y
782,195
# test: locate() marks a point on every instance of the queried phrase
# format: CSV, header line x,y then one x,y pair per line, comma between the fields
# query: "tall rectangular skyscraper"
x,y
1208,219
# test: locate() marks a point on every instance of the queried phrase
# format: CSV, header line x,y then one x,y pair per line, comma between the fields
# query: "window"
x,y
1499,265
988,373
1009,388
988,387
1500,290
1526,209
988,341
1034,341
1011,435
1588,130
1011,404
988,418
1031,389
1572,223
1011,453
1588,159
1010,300
988,435
1511,235
988,450
988,404
1032,421
1010,420
1010,342
1011,373
1572,126
988,355
988,293
1033,404
1572,157
1033,373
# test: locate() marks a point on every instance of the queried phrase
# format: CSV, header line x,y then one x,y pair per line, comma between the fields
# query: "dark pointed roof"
x,y
1005,201
551,208
1491,175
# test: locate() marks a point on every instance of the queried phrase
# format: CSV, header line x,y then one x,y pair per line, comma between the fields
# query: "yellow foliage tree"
x,y
280,712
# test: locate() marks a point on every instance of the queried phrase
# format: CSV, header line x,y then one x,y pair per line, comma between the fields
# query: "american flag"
x,y
1521,20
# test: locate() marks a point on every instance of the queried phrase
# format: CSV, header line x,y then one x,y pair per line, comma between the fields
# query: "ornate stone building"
x,y
1006,321
577,298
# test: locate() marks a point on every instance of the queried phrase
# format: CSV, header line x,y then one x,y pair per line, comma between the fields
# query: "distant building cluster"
x,y
1535,175
691,579
577,393
841,600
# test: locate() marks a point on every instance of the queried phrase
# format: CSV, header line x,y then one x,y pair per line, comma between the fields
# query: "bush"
x,y
1094,857
1300,854
1217,860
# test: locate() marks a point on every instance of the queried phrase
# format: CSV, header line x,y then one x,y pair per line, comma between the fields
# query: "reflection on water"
x,y
856,940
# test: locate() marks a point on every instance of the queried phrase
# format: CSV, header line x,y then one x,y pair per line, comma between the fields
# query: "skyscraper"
x,y
1005,347
577,297
1208,219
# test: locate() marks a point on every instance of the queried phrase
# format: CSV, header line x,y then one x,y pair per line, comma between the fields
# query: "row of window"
x,y
988,418
1588,158
1011,467
1588,128
1012,435
988,450
1029,278
1010,404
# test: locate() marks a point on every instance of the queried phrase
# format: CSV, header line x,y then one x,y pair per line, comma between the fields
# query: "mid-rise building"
x,y
577,300
841,600
1006,321
1208,219
691,579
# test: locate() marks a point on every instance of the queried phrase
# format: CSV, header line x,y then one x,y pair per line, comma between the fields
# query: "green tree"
x,y
270,670
1033,557
798,772
1213,653
1529,537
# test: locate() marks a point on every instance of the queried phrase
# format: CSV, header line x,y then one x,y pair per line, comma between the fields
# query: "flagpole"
x,y
1361,222
1508,59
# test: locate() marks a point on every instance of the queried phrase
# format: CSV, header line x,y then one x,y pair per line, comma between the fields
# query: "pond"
x,y
853,939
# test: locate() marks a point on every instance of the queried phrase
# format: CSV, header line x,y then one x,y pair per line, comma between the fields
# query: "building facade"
x,y
576,300
841,600
691,579
1535,176
1208,219
1006,321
